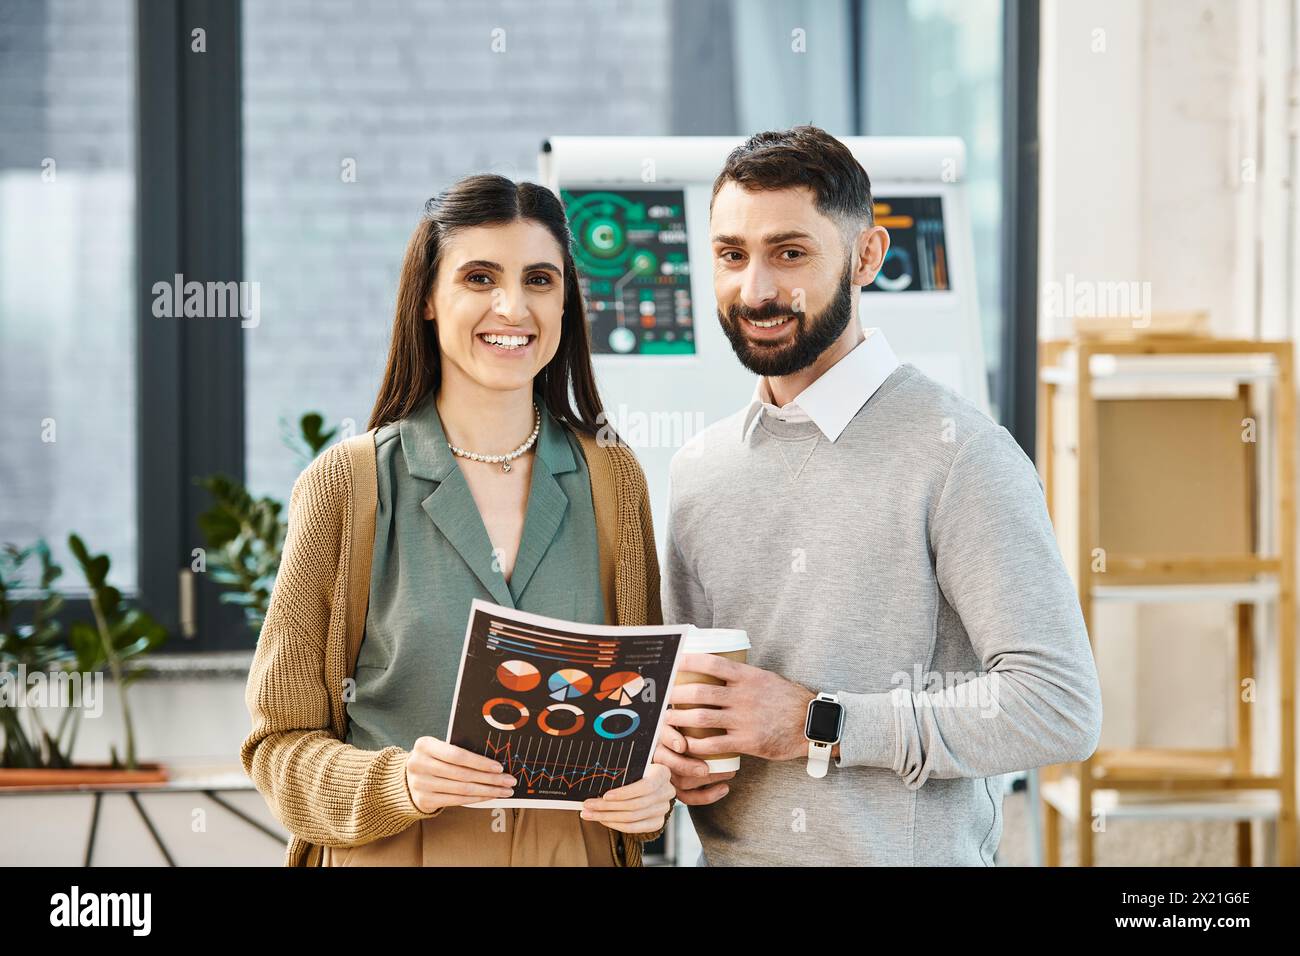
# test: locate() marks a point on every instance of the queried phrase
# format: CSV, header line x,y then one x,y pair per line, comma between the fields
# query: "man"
x,y
884,544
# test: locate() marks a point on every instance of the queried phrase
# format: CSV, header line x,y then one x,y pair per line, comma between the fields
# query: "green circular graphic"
x,y
605,237
644,262
597,220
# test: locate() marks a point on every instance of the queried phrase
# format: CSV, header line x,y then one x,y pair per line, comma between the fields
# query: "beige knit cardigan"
x,y
322,789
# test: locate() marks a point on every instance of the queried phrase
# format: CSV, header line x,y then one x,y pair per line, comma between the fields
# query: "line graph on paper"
x,y
567,769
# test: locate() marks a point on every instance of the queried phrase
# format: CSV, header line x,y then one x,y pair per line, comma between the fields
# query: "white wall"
x,y
1166,156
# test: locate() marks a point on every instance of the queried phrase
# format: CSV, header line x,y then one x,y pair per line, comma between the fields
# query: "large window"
x,y
67,320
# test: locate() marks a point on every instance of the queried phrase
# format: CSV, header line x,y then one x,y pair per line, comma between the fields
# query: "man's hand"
x,y
762,713
690,775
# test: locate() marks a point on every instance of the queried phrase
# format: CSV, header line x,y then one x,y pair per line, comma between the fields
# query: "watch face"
x,y
824,721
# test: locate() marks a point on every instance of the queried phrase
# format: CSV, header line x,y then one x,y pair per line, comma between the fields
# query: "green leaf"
x,y
312,434
85,642
78,548
219,526
110,599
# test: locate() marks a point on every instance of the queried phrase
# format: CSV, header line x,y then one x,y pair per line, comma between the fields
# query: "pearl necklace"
x,y
508,457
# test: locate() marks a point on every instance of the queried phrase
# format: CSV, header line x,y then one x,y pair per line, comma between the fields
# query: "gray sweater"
x,y
909,566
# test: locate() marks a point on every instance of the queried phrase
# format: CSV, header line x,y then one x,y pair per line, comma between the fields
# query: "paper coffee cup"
x,y
731,643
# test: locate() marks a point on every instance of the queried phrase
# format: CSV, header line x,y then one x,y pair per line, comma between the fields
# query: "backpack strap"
x,y
365,495
604,501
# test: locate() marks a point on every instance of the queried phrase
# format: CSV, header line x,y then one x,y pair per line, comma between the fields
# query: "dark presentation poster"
x,y
570,710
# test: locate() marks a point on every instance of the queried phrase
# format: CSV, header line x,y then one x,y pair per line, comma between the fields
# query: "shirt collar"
x,y
833,399
424,443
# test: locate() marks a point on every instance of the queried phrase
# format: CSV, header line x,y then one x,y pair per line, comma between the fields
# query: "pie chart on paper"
x,y
568,683
518,675
621,687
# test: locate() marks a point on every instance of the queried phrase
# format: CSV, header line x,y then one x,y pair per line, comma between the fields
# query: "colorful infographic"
x,y
630,249
917,260
570,710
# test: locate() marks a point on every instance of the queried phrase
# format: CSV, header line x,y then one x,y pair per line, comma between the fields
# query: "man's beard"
x,y
801,347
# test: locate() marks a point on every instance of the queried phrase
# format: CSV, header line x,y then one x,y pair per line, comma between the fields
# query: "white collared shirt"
x,y
833,399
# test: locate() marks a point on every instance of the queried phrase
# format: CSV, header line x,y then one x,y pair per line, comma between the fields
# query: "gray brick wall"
x,y
418,101
66,276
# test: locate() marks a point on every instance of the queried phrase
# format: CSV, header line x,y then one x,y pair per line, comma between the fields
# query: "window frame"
x,y
1018,387
189,371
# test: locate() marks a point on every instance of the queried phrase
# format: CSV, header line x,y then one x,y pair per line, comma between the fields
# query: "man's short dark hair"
x,y
803,156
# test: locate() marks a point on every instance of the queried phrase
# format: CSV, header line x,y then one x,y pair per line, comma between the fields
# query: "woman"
x,y
485,480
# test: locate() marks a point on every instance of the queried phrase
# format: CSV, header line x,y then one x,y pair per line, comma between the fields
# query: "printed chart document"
x,y
570,710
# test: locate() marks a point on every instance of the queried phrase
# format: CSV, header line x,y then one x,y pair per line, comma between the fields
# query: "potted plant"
x,y
33,756
245,535
34,647
245,538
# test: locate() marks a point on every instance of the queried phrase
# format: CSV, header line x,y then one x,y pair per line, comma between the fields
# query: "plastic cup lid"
x,y
715,640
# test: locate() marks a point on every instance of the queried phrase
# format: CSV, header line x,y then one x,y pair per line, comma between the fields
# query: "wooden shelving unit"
x,y
1215,783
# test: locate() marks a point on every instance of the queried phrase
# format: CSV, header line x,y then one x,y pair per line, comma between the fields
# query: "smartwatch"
x,y
823,727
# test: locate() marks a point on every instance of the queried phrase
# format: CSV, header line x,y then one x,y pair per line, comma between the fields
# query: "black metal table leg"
x,y
139,807
94,826
256,824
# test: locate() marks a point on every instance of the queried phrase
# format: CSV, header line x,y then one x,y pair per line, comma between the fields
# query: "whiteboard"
x,y
658,401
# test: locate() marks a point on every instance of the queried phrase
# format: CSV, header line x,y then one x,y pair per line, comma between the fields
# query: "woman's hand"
x,y
690,775
440,774
639,807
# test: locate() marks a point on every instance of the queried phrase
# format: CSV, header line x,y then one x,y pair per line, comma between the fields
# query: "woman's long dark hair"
x,y
412,370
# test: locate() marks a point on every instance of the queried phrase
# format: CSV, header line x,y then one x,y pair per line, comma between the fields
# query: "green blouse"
x,y
432,557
